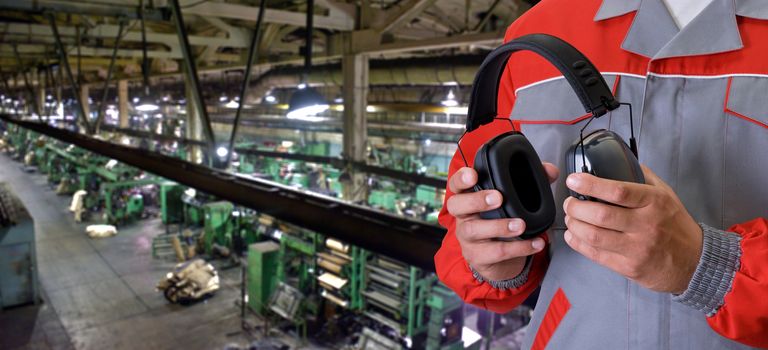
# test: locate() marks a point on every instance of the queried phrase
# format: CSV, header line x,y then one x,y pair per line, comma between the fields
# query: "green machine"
x,y
263,261
218,225
385,199
446,321
172,208
121,204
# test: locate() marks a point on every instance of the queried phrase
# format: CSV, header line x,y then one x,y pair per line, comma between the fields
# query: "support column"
x,y
85,92
194,129
122,104
355,91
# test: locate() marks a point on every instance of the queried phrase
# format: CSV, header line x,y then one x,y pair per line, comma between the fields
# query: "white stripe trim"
x,y
654,75
562,77
708,76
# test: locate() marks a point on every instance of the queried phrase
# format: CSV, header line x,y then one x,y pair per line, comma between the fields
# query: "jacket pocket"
x,y
745,161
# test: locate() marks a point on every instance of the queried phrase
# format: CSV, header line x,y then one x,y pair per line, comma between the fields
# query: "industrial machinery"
x,y
18,268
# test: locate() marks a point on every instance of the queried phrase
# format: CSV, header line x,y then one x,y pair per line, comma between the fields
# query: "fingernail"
x,y
565,203
567,235
572,181
466,177
491,199
515,225
537,244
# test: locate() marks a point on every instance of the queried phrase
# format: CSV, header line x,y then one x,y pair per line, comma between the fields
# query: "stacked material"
x,y
387,291
334,262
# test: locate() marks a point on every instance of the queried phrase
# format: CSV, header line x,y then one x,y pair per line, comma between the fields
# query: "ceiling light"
x,y
306,102
146,104
270,99
232,104
223,98
450,100
427,142
222,151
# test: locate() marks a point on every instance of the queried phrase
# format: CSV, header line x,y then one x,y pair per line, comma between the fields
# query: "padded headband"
x,y
584,78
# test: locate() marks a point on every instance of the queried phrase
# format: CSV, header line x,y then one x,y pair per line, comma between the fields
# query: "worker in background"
x,y
680,262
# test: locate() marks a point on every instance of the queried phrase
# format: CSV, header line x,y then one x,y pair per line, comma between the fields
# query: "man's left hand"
x,y
648,236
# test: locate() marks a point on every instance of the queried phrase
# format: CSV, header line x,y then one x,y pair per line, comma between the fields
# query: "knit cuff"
x,y
516,282
713,278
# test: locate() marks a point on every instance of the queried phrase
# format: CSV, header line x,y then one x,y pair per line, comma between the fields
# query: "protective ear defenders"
x,y
508,163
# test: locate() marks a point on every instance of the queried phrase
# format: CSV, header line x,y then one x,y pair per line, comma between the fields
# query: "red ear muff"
x,y
509,164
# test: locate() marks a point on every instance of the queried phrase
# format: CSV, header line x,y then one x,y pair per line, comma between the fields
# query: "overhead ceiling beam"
x,y
489,38
401,14
71,7
237,39
250,13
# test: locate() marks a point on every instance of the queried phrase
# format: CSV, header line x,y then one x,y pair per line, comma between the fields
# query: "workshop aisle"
x,y
99,293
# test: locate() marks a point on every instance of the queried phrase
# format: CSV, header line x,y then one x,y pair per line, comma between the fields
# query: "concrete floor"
x,y
99,293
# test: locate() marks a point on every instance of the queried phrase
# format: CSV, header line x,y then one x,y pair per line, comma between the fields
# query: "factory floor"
x,y
100,293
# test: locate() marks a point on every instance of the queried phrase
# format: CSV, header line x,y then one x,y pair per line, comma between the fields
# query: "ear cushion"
x,y
509,164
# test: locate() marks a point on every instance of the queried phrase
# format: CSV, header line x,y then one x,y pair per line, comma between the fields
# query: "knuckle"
x,y
603,215
469,229
451,204
593,237
620,192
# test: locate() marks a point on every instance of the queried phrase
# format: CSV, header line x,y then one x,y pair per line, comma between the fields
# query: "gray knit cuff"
x,y
516,282
720,258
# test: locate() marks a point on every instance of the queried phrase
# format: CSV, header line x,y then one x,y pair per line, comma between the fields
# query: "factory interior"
x,y
236,174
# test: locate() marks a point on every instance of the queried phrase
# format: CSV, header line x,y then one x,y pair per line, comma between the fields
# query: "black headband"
x,y
584,78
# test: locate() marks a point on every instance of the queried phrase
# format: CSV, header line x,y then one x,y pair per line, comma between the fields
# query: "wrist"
x,y
509,274
715,271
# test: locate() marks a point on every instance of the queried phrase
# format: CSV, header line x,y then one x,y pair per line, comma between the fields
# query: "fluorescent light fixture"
x,y
222,152
338,100
450,100
270,99
135,100
370,109
302,86
223,98
146,104
305,104
232,104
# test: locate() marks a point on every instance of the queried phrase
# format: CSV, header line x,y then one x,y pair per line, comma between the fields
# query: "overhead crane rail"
x,y
410,241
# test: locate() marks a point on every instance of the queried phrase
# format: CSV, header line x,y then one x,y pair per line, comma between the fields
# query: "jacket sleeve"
x,y
451,267
730,283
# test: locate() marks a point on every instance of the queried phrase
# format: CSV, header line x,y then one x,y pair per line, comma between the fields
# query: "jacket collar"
x,y
653,32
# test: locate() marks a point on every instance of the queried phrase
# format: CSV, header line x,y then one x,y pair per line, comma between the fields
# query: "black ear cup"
x,y
603,153
509,164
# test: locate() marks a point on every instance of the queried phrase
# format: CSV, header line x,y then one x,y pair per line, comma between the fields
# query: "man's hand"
x,y
492,259
649,237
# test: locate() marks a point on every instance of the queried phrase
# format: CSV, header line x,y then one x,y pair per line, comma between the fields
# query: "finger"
x,y
652,179
552,172
595,236
463,179
473,202
489,253
603,257
599,214
626,194
482,230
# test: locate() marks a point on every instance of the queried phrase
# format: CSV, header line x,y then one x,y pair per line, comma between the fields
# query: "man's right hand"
x,y
493,259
